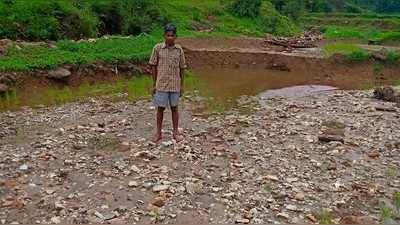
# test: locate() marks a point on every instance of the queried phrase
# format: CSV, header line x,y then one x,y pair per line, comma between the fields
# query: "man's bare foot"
x,y
157,138
176,137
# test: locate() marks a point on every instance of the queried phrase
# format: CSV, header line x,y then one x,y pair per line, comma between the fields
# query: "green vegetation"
x,y
325,217
391,210
72,19
378,37
38,20
391,172
69,52
103,142
355,53
341,48
386,213
357,56
392,57
190,16
246,8
60,19
268,188
397,201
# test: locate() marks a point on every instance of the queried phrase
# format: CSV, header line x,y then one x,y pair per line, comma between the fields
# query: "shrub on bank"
x,y
127,16
275,23
72,19
246,8
357,56
39,20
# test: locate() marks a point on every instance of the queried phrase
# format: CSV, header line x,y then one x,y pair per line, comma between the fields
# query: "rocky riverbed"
x,y
332,157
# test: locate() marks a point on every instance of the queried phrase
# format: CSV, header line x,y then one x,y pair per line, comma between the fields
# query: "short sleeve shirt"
x,y
169,61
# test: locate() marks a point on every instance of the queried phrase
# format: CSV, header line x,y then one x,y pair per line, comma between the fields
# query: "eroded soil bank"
x,y
203,53
90,162
309,62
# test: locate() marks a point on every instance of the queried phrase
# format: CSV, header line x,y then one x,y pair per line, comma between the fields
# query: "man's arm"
x,y
154,74
182,74
182,66
153,63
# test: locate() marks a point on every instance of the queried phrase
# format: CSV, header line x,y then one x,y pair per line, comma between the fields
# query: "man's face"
x,y
170,37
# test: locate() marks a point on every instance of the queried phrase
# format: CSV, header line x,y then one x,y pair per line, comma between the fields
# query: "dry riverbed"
x,y
328,157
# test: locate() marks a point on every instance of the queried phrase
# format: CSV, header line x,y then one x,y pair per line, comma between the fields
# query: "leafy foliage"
x,y
60,19
38,20
246,8
70,52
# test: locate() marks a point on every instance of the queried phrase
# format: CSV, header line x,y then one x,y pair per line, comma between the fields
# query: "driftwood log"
x,y
307,40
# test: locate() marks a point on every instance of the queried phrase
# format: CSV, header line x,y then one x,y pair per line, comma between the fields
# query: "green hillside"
x,y
194,18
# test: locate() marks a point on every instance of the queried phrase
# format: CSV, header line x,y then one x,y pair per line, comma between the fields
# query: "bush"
x,y
294,9
139,16
392,57
61,19
275,23
357,56
246,8
38,20
127,16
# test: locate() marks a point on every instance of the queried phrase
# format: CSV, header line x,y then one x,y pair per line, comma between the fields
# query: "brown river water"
x,y
223,84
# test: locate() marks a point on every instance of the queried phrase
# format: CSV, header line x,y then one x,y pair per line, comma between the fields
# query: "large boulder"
x,y
60,73
387,94
5,44
4,88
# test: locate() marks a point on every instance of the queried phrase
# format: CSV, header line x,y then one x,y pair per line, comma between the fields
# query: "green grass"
x,y
377,36
386,213
361,21
191,16
397,201
268,188
76,53
341,48
325,217
352,52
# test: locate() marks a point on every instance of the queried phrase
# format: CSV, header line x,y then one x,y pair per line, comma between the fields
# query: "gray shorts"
x,y
165,99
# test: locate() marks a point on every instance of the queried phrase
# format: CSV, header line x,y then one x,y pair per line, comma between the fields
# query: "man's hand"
x,y
153,91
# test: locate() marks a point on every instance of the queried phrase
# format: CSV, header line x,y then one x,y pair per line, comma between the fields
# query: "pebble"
x,y
291,207
24,167
56,219
300,196
283,215
243,220
158,188
133,184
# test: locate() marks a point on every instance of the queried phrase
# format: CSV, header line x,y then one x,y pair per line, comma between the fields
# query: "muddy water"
x,y
227,83
223,85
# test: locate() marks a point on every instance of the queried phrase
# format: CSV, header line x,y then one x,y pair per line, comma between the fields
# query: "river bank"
x,y
263,161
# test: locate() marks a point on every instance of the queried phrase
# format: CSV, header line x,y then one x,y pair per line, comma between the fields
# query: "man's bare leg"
x,y
160,117
175,123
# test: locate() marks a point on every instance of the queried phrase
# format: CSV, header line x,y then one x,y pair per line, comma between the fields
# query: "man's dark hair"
x,y
170,28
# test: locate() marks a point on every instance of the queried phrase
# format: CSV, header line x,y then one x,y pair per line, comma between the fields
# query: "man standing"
x,y
168,65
